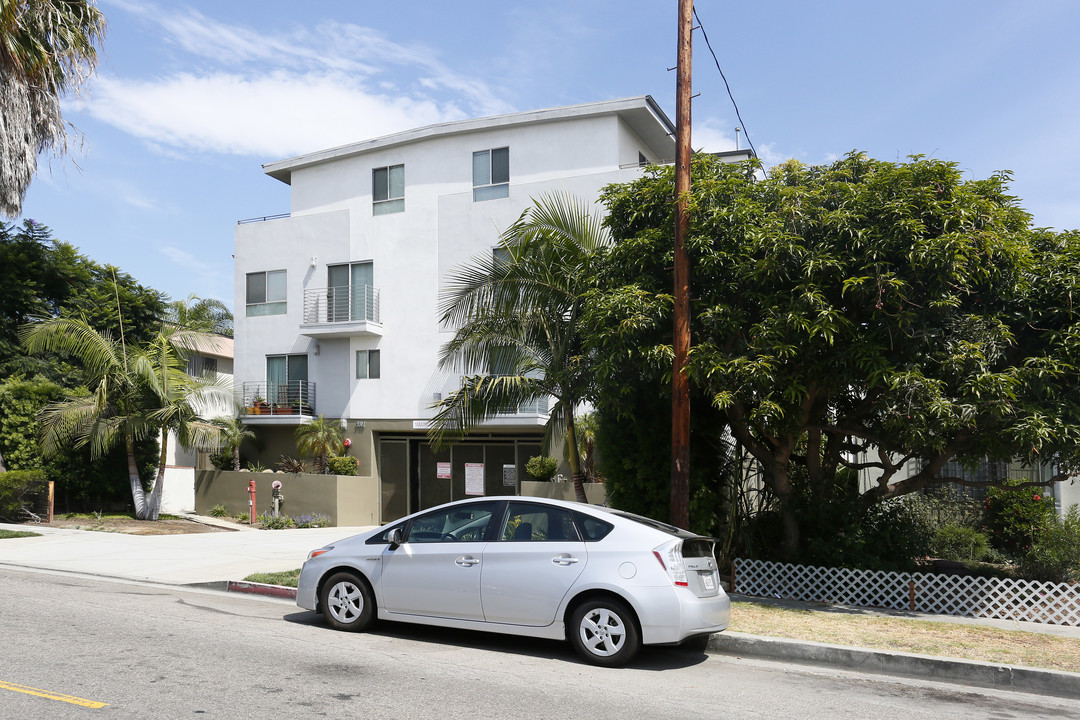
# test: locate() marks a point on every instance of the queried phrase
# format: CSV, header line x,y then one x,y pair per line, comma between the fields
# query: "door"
x,y
286,380
537,557
436,571
350,296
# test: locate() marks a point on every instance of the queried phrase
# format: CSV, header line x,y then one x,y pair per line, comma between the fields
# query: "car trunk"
x,y
702,576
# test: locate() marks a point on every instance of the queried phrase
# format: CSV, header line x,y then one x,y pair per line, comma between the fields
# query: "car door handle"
x,y
564,559
466,561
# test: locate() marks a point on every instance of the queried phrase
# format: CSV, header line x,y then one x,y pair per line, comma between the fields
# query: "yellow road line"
x,y
52,695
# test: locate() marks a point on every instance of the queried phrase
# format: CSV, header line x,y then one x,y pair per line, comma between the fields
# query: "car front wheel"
x,y
604,633
347,602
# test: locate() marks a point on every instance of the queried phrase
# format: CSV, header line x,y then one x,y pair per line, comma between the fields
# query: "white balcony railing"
x,y
355,304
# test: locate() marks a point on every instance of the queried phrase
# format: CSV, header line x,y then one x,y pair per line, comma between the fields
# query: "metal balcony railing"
x,y
296,397
358,303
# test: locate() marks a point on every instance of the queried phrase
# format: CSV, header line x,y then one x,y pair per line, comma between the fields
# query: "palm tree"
x,y
320,438
196,313
233,433
517,315
135,394
47,48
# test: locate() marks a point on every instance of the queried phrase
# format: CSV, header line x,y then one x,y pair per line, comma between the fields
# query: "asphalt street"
x,y
153,651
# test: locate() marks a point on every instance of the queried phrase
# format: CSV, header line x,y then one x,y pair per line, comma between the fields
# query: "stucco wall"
x,y
347,500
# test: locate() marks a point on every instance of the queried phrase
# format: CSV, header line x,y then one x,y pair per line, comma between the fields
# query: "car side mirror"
x,y
396,536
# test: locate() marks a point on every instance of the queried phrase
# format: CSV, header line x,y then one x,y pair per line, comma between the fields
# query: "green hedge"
x,y
345,465
19,488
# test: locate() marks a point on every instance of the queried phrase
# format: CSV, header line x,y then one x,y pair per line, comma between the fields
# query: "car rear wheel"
x,y
603,632
347,602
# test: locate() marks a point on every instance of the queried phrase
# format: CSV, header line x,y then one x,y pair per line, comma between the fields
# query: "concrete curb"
x,y
922,667
254,588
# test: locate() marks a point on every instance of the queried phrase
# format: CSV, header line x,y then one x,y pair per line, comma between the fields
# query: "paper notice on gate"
x,y
442,470
474,478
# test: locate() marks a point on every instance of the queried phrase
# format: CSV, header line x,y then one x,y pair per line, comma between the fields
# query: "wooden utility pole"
x,y
680,382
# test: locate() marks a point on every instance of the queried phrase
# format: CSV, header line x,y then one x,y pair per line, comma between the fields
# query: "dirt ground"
x,y
131,526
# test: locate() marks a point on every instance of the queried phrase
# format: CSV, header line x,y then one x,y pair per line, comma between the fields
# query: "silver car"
x,y
606,580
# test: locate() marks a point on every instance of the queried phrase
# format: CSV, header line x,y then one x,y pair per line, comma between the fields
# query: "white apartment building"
x,y
336,303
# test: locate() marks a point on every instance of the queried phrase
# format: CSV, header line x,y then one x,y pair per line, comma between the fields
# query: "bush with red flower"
x,y
1016,517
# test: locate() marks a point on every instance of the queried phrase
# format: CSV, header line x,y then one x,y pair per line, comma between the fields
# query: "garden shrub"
x,y
18,488
959,542
344,465
219,511
541,467
1015,517
1055,554
222,460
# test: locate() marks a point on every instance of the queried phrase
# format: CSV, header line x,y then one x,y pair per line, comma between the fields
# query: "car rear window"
x,y
591,528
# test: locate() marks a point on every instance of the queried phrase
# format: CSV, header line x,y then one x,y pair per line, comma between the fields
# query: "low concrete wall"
x,y
348,500
595,492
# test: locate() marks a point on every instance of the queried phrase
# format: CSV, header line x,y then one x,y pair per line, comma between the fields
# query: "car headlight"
x,y
320,551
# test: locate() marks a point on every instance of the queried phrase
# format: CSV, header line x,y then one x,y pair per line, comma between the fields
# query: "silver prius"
x,y
606,580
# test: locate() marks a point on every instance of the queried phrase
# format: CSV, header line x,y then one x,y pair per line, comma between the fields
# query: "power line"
x,y
708,44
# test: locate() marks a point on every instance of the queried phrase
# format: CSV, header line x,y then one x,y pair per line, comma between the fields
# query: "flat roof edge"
x,y
282,169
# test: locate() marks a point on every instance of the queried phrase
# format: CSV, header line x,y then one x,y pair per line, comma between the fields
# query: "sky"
x,y
191,98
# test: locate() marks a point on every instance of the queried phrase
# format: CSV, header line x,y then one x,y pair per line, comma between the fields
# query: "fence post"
x,y
52,499
911,594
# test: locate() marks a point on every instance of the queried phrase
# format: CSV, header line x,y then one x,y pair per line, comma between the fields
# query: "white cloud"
x,y
276,95
274,115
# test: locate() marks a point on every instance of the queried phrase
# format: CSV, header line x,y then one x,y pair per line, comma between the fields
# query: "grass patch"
x,y
9,534
289,578
968,642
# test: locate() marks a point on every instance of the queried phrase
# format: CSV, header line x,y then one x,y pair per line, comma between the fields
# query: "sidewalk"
x,y
216,558
171,559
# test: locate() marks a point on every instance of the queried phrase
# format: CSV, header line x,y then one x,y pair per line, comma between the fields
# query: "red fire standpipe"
x,y
251,500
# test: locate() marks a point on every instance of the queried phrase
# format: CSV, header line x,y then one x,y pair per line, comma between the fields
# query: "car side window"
x,y
537,523
382,538
456,524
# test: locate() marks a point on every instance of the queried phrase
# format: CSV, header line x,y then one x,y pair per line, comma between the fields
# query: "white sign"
x,y
474,478
421,424
442,470
510,475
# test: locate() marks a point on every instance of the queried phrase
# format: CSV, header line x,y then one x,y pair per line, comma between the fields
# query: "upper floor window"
x,y
266,293
388,190
491,174
367,365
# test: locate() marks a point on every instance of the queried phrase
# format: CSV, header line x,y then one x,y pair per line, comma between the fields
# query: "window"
x,y
367,364
388,190
350,295
287,380
458,524
200,365
642,160
266,293
491,174
538,523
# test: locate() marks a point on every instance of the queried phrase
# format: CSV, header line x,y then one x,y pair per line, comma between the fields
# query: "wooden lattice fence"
x,y
1052,603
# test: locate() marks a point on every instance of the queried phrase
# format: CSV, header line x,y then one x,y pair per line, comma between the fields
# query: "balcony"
x,y
284,401
341,312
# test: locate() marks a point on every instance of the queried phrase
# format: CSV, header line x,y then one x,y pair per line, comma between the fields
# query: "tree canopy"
x,y
857,315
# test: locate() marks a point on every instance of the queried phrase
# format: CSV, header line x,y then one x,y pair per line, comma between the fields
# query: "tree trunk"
x,y
138,496
236,458
3,468
153,508
572,455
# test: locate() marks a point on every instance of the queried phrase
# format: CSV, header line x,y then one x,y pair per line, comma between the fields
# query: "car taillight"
x,y
670,558
320,551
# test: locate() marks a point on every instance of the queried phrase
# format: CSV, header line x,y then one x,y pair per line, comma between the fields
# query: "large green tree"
x,y
858,315
516,314
136,392
48,48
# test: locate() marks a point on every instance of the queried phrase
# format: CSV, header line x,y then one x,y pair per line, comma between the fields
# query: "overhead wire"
x,y
701,26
